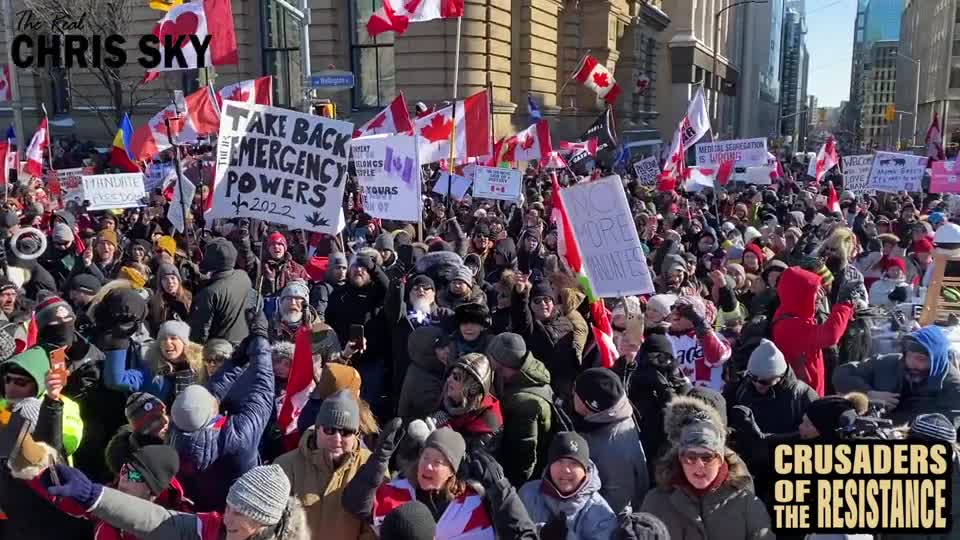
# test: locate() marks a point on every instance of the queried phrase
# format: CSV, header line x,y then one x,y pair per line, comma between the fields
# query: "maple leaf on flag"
x,y
239,95
411,6
527,143
601,79
439,129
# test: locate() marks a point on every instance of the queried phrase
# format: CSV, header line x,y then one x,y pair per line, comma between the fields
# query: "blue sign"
x,y
332,80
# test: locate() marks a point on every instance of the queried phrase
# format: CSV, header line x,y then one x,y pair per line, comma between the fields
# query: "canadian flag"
x,y
826,160
202,117
5,150
257,91
191,20
530,144
393,119
6,87
934,140
396,15
691,128
589,146
471,131
554,161
833,202
39,143
594,76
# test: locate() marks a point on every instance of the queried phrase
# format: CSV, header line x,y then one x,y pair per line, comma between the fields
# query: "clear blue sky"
x,y
830,44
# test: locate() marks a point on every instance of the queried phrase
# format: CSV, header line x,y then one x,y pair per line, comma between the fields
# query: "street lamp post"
x,y
716,52
916,94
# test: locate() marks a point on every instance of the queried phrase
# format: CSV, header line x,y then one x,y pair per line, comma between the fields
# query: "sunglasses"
x,y
691,458
422,288
16,380
342,431
764,382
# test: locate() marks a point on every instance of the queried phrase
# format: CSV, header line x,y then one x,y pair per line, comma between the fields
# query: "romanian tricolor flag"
x,y
120,156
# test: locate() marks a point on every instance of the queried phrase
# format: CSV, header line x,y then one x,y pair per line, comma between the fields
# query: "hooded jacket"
x,y
284,270
551,339
154,375
587,514
218,310
424,378
795,331
781,409
939,392
526,400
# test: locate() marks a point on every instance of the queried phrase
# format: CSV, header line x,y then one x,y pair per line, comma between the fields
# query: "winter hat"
x,y
6,285
85,283
384,242
508,350
53,310
411,521
661,303
261,494
108,236
766,361
642,526
167,269
336,377
339,411
699,307
177,329
656,343
219,256
296,289
449,443
702,435
217,348
923,245
472,313
193,409
167,245
542,289
145,413
895,262
337,260
825,413
599,389
277,238
134,276
477,366
712,398
29,409
422,343
158,464
672,263
933,427
421,281
62,233
464,274
570,445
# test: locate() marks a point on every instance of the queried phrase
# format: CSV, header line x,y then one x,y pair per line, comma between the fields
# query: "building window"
x,y
59,90
281,52
956,48
955,77
372,59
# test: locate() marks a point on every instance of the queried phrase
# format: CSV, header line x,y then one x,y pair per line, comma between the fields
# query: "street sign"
x,y
332,80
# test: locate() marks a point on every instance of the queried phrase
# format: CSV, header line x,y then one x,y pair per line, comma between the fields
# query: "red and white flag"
x,y
934,140
396,15
530,144
833,202
554,161
299,386
691,128
589,146
826,160
212,18
6,87
5,151
257,91
202,117
39,143
596,77
603,334
393,119
471,133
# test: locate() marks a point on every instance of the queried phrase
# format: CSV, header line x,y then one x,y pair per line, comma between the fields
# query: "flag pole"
x,y
49,139
453,130
575,70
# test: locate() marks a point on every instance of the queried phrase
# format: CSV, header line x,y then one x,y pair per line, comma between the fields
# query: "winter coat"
x,y
570,300
319,488
464,518
552,340
587,514
148,520
481,426
939,392
881,289
60,264
154,375
796,333
526,402
349,305
164,307
422,387
781,409
616,449
212,458
285,270
219,309
650,389
731,512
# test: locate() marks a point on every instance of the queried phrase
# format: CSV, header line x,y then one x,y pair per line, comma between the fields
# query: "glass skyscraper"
x,y
883,20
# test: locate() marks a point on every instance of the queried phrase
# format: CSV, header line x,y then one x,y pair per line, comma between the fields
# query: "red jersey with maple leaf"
x,y
466,517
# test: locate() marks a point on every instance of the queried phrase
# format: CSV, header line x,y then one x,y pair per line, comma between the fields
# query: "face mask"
x,y
59,335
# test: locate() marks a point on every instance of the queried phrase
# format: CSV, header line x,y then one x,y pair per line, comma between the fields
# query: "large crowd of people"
x,y
459,391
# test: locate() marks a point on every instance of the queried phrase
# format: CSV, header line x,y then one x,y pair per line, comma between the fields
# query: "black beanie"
x,y
158,463
642,526
411,521
657,343
599,388
472,313
542,288
825,414
570,445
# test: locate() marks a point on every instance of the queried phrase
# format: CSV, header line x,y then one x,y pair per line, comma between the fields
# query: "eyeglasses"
x,y
542,300
16,380
764,382
691,458
342,431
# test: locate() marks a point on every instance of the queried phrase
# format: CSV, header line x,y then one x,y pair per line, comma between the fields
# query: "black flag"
x,y
604,129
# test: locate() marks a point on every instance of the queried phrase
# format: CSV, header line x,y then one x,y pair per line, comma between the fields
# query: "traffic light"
x,y
164,5
890,114
326,109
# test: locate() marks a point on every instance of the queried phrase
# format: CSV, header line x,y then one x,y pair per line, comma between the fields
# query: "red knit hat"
x,y
895,262
277,238
923,245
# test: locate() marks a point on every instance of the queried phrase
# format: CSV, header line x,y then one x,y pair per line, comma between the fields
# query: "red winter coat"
x,y
795,332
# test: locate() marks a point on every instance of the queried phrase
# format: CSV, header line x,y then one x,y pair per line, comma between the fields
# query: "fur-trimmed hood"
x,y
192,351
296,526
683,410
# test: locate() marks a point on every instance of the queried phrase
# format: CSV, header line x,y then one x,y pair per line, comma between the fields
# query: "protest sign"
x,y
945,177
497,183
743,152
647,170
896,172
71,184
280,166
856,173
155,174
761,176
106,191
175,211
458,190
388,171
610,248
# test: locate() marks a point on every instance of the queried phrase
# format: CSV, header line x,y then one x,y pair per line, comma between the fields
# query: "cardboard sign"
x,y
856,173
458,190
281,166
107,191
743,152
388,170
945,177
175,210
497,183
603,226
71,184
647,170
897,172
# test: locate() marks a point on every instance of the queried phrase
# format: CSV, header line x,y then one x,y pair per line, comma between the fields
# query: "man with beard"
x,y
294,312
13,315
921,380
279,268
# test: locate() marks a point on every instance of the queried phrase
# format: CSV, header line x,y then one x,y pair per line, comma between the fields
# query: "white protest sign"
x,y
647,170
897,172
106,191
71,184
175,211
759,175
281,166
743,152
610,248
497,183
388,171
856,173
458,190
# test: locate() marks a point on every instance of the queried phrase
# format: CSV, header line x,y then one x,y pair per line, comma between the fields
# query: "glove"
x,y
740,418
257,323
898,295
73,484
687,312
555,529
388,440
850,292
485,469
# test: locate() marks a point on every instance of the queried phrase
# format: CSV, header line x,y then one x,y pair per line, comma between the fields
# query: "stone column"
x,y
535,60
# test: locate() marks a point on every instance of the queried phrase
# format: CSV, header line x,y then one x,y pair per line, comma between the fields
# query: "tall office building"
x,y
879,91
882,20
851,119
793,76
758,106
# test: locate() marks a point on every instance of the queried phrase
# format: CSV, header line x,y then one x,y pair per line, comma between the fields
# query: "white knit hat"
x,y
261,494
